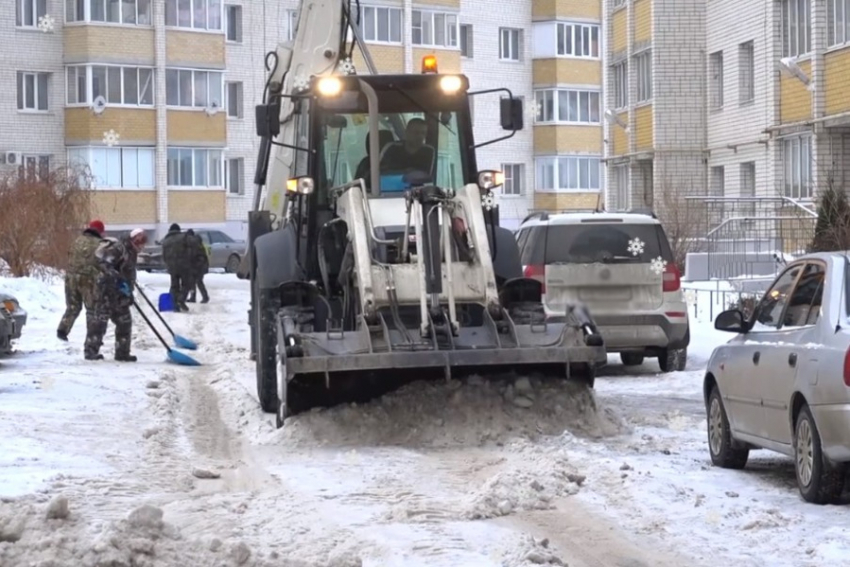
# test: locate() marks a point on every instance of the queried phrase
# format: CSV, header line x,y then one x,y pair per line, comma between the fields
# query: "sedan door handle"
x,y
756,357
792,359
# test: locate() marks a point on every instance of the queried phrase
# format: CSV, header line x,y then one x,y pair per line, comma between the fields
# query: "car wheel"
x,y
818,481
673,360
232,264
720,446
632,358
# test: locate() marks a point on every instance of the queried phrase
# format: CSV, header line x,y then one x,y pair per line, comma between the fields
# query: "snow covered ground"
x,y
103,463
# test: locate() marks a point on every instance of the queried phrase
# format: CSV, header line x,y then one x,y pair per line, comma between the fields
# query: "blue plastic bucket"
x,y
165,302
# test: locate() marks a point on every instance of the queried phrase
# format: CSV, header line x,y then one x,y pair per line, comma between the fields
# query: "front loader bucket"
x,y
328,368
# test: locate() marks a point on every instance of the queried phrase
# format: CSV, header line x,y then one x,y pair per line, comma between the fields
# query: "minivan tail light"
x,y
538,272
847,368
672,279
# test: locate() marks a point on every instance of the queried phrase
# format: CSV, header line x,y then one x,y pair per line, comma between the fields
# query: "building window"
x,y
434,29
838,21
578,40
188,167
233,99
193,89
509,44
194,14
117,168
128,86
32,91
568,173
292,24
567,106
127,12
643,64
620,174
29,11
466,41
514,177
715,69
233,23
796,28
746,72
620,84
34,167
234,172
718,181
381,25
796,154
748,179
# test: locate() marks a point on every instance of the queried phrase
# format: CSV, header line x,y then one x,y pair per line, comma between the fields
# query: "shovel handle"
x,y
154,309
150,325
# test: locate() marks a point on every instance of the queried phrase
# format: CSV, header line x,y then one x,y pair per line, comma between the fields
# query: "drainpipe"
x,y
408,36
161,153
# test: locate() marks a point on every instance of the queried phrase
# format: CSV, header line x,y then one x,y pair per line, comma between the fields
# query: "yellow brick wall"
x,y
643,20
389,59
124,207
619,136
107,44
448,61
440,4
837,81
567,72
643,128
192,126
619,31
132,125
196,206
567,139
561,201
550,9
795,100
188,49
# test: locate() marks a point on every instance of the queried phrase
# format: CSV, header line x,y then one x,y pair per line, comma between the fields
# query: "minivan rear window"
x,y
595,242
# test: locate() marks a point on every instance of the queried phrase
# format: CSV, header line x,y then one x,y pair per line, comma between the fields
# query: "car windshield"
x,y
418,132
587,243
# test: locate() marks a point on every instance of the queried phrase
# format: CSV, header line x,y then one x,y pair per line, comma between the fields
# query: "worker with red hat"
x,y
81,276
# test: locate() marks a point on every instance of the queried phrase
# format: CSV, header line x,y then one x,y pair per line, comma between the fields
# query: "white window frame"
x,y
620,84
228,164
22,90
140,17
796,28
797,167
240,99
292,24
123,156
717,181
569,40
237,8
207,27
547,99
747,72
514,179
837,22
39,8
194,73
466,43
747,187
556,163
643,71
510,44
218,152
393,16
450,26
715,70
39,164
88,69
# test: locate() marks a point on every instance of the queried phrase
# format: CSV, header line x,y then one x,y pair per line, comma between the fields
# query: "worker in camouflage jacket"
x,y
200,265
177,255
115,284
81,277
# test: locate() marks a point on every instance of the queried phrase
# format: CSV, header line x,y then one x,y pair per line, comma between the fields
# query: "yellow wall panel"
x,y
795,100
134,126
619,136
108,44
567,72
643,128
567,139
189,127
195,49
196,206
124,207
563,201
837,81
551,9
448,61
389,59
619,31
643,20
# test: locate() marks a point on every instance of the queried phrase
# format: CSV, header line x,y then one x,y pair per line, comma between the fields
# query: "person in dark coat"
x,y
81,277
200,265
177,255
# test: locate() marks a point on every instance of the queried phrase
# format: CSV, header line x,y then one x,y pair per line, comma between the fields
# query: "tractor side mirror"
x,y
511,114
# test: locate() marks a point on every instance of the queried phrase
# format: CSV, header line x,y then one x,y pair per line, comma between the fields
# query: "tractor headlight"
x,y
302,185
450,84
329,86
490,179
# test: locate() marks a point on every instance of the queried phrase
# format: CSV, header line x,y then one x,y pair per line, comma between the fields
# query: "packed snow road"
x,y
164,465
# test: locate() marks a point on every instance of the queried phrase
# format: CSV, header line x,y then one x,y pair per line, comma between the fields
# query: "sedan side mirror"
x,y
731,321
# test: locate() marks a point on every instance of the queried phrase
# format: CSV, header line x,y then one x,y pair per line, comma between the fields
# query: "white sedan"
x,y
783,383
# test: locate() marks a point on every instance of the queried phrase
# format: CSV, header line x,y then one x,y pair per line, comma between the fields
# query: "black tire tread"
x,y
729,456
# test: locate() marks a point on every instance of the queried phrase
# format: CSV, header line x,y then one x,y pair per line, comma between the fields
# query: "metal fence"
x,y
705,304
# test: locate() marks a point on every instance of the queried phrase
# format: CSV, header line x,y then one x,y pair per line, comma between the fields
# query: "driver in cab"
x,y
410,154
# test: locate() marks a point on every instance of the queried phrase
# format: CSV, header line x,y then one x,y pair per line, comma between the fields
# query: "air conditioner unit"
x,y
10,158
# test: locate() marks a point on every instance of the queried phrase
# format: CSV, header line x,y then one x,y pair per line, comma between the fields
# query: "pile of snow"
x,y
39,297
467,413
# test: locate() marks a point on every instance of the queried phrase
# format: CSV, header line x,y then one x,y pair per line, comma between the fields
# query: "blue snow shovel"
x,y
181,342
174,356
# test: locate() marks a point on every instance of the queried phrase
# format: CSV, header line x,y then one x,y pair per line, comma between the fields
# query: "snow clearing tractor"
x,y
374,253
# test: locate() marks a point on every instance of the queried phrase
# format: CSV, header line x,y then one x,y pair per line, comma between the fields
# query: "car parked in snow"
x,y
783,382
225,252
12,320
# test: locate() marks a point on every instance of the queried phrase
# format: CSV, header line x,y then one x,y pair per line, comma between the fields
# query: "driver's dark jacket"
x,y
397,159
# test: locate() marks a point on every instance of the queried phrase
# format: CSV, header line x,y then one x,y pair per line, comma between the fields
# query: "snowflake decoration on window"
x,y
346,66
488,201
534,109
658,265
110,138
301,83
46,23
636,247
691,297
